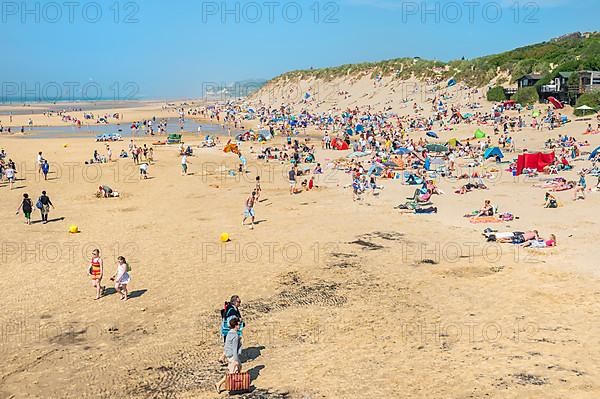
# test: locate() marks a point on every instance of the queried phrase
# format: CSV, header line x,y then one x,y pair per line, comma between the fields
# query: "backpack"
x,y
39,204
224,310
27,205
225,314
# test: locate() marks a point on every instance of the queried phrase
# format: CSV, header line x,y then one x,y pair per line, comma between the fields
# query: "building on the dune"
x,y
559,87
566,87
529,80
588,81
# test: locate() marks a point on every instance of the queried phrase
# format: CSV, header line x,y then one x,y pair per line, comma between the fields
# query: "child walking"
x,y
27,207
96,271
122,278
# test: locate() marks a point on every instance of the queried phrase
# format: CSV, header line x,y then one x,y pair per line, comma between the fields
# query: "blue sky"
x,y
172,48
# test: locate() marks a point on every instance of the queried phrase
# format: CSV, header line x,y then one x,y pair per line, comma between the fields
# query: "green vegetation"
x,y
526,96
591,99
496,94
570,53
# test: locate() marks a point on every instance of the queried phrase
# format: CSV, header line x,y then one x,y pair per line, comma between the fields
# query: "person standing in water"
x,y
96,271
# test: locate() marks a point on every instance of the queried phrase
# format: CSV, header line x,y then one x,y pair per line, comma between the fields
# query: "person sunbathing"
x,y
563,186
463,190
519,237
416,210
541,243
551,183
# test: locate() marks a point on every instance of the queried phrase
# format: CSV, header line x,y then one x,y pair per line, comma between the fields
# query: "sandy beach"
x,y
300,200
342,298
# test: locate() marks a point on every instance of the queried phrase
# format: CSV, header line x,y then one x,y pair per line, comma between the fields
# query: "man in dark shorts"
x,y
292,178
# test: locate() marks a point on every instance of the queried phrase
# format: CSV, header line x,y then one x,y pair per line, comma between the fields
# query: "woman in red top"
x,y
96,271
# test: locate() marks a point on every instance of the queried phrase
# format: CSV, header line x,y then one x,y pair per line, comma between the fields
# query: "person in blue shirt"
x,y
581,187
45,169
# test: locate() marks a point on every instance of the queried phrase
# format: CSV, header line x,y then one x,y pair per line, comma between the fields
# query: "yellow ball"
x,y
66,145
224,237
73,229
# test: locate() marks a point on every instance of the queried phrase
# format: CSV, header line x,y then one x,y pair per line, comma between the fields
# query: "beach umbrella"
x,y
433,134
436,148
479,134
493,152
402,151
451,82
594,153
584,108
360,128
357,154
265,134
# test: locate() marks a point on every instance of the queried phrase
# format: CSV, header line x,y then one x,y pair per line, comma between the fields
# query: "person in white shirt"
x,y
184,165
10,176
143,170
39,161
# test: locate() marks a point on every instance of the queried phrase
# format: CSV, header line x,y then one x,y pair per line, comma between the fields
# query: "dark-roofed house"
x,y
528,80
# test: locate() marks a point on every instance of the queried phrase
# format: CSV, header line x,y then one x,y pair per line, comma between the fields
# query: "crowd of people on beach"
x,y
378,146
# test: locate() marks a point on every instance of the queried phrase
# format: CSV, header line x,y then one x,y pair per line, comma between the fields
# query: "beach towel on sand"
x,y
486,219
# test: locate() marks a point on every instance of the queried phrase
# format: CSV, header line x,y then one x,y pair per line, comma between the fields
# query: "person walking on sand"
x,y
292,177
27,207
45,169
230,310
122,278
44,204
10,173
39,161
96,272
249,212
233,349
257,188
184,165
